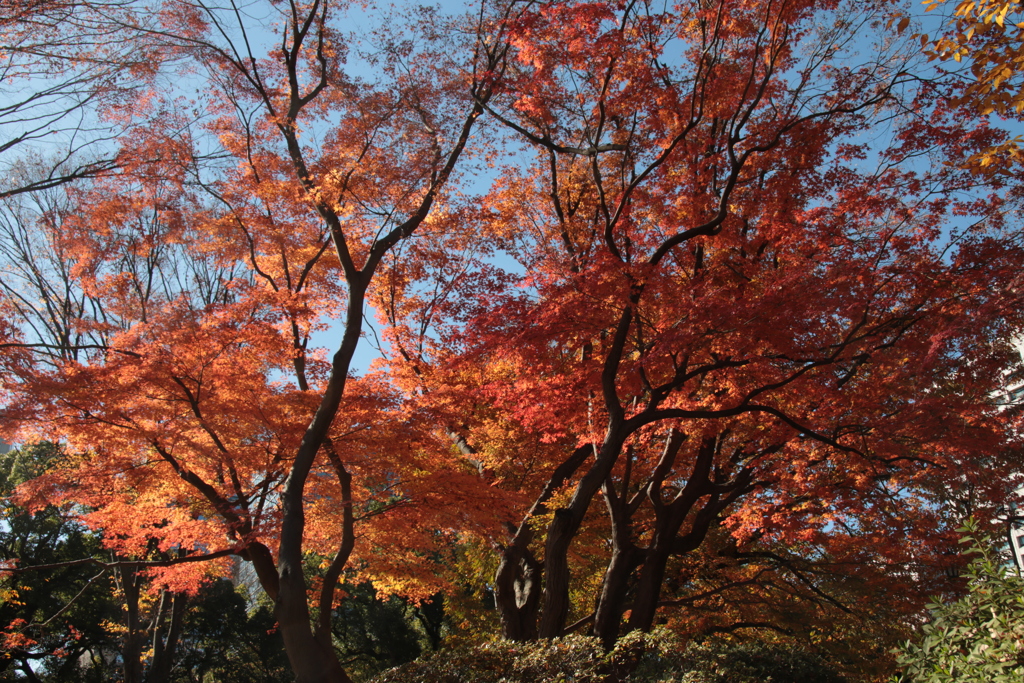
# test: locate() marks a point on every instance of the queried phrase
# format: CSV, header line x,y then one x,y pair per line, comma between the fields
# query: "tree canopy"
x,y
686,315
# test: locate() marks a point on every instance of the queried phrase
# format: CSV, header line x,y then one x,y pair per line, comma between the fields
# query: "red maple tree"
x,y
762,340
158,321
732,318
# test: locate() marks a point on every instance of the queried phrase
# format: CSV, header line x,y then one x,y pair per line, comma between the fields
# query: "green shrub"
x,y
979,638
573,659
637,658
754,662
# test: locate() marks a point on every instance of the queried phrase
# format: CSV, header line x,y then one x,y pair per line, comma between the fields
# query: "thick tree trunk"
x,y
562,531
567,520
517,590
518,587
312,659
556,573
648,589
611,601
667,541
311,655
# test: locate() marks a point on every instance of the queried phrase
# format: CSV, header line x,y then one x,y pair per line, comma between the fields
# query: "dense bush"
x,y
575,658
637,658
754,663
979,638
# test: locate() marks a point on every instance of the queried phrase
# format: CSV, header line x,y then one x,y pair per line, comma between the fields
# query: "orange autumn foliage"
x,y
158,321
724,316
699,297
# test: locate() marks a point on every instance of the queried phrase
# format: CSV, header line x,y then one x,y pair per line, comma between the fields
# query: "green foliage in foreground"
x,y
637,658
50,620
979,638
752,663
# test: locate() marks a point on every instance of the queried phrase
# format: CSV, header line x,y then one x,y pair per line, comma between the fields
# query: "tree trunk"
x,y
611,601
165,635
648,590
667,542
312,656
312,659
562,531
131,649
556,574
517,589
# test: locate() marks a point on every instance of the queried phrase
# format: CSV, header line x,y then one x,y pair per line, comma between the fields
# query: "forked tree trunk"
x,y
611,601
166,631
648,589
312,658
561,533
518,581
517,591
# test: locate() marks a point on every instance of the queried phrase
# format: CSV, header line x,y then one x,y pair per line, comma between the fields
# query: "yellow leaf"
x,y
1002,15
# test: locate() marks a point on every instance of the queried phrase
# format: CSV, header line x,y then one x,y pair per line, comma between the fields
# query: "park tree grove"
x,y
686,314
